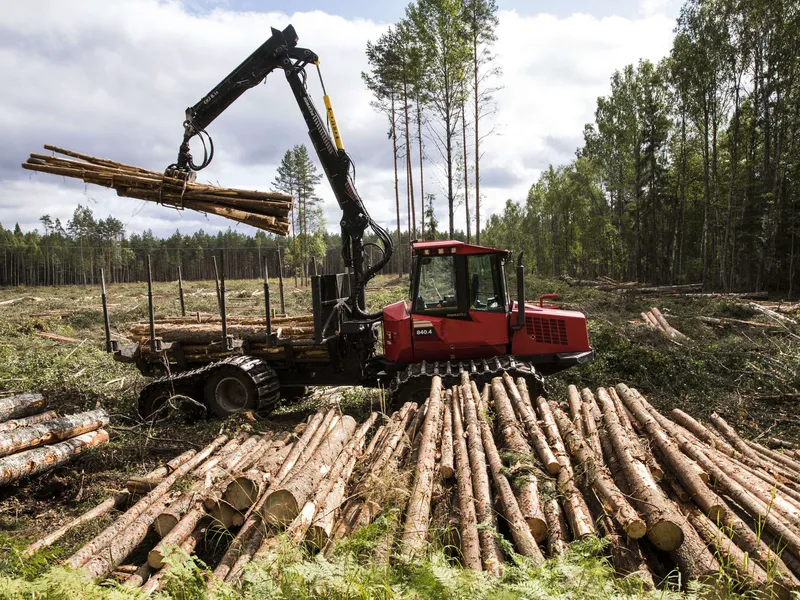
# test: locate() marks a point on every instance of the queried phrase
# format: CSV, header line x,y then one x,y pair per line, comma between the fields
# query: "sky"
x,y
113,79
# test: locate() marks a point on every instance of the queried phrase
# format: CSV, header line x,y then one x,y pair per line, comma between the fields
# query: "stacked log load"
x,y
266,210
193,334
470,466
34,439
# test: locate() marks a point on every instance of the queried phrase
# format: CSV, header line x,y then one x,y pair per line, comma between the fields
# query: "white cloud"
x,y
113,79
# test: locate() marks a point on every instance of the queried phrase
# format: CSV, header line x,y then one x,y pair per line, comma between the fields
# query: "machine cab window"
x,y
486,283
436,285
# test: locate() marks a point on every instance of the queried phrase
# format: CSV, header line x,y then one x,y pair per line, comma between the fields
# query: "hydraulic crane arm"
x,y
280,51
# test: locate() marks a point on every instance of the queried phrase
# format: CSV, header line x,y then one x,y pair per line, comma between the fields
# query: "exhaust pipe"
x,y
520,295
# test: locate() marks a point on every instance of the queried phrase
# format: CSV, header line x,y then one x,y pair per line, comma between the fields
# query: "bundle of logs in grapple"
x,y
34,439
265,210
471,466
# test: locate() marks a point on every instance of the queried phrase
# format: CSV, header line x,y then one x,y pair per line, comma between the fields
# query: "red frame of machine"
x,y
548,331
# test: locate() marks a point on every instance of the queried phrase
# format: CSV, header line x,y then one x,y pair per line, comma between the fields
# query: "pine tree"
x,y
298,176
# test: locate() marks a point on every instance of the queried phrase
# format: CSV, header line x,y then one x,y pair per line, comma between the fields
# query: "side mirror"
x,y
520,295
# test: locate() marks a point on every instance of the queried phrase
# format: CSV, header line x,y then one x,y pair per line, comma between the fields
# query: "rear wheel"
x,y
230,391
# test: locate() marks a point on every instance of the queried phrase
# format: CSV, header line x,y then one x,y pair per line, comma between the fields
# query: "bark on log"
x,y
574,403
663,524
119,499
446,467
248,552
589,423
329,422
507,426
625,417
694,559
102,563
189,545
681,467
230,446
530,506
27,421
599,479
367,496
132,514
783,460
177,536
575,508
731,488
671,331
487,524
646,318
626,553
396,431
37,460
283,504
145,483
524,542
733,438
781,501
535,433
415,528
747,570
339,475
330,499
22,405
556,523
470,544
300,445
743,535
172,514
49,432
701,432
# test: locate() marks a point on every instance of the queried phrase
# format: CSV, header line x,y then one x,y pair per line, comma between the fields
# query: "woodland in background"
x,y
690,171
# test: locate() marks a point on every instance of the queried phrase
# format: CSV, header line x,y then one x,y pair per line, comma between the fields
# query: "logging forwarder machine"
x,y
460,317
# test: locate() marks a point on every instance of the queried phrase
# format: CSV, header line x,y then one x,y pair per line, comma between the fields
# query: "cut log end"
x,y
280,508
242,493
538,527
665,535
636,529
164,523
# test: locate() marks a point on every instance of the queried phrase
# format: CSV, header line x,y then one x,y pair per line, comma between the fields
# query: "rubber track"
x,y
416,376
190,383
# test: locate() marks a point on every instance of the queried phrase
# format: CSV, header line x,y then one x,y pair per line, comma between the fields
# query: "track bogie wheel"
x,y
229,391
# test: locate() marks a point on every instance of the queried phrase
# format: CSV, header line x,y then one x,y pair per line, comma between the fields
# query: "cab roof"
x,y
452,247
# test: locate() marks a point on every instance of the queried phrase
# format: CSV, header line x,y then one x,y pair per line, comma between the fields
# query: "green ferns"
x,y
290,573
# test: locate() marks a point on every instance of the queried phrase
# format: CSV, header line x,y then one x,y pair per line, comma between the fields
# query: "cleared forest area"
x,y
734,360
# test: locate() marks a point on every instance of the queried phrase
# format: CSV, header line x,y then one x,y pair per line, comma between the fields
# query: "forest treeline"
x,y
690,171
76,252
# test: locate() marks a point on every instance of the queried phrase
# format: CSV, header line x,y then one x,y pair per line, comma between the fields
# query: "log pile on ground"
x,y
655,320
266,210
470,466
34,439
